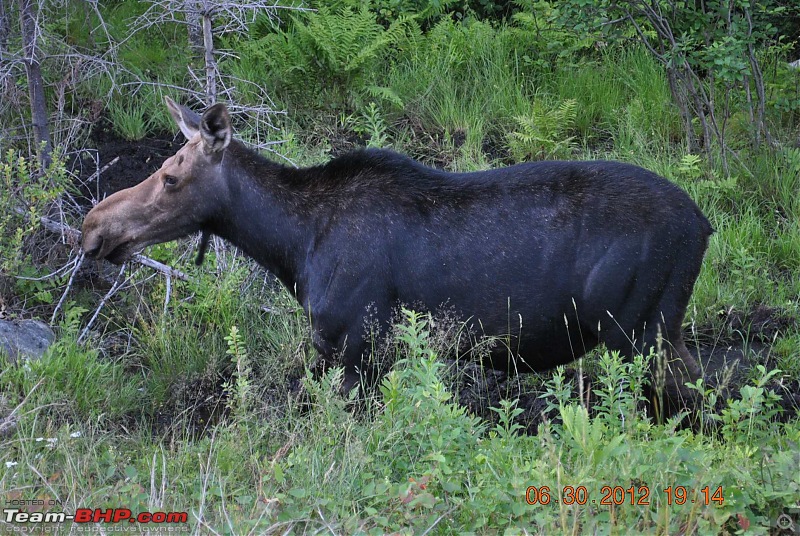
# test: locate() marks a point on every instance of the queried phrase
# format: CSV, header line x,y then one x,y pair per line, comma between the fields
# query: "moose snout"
x,y
92,245
92,241
99,232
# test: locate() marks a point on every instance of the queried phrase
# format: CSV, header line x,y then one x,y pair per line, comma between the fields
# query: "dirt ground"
x,y
137,159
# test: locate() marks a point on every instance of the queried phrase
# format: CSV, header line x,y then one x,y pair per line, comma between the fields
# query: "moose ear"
x,y
215,128
187,120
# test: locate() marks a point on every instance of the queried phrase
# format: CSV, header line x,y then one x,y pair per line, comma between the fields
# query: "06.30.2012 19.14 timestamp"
x,y
618,495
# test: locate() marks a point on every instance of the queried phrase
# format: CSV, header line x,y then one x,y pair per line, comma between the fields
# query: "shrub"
x,y
26,192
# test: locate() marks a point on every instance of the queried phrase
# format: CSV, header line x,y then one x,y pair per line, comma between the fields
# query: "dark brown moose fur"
x,y
553,257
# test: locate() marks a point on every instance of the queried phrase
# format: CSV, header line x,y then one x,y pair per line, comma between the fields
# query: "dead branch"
x,y
159,267
34,48
117,283
209,20
78,264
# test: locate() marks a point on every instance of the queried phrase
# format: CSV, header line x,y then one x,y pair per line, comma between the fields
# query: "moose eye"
x,y
169,180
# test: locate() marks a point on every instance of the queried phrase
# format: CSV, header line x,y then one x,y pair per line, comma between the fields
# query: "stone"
x,y
28,339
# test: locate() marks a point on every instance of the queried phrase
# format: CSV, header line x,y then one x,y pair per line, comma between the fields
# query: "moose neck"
x,y
261,218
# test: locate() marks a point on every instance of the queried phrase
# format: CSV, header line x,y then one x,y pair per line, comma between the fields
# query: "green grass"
x,y
417,460
463,79
75,382
625,95
131,119
198,413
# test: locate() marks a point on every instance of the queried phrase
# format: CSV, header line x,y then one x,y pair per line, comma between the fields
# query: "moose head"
x,y
180,198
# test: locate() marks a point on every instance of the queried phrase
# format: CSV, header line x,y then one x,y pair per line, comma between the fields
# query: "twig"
x,y
160,267
78,265
436,522
117,282
100,171
66,267
9,423
169,291
46,482
72,236
325,521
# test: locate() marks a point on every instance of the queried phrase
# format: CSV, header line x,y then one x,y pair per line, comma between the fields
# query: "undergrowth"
x,y
414,459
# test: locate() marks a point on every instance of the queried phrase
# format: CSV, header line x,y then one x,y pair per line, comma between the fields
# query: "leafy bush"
x,y
709,52
550,38
419,412
427,12
26,193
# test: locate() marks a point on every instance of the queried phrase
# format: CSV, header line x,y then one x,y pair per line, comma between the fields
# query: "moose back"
x,y
554,257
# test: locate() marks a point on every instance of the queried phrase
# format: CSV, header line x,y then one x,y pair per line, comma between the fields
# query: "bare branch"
x,y
159,267
78,264
117,283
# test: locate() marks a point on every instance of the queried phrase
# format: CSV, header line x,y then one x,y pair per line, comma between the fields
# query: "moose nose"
x,y
92,246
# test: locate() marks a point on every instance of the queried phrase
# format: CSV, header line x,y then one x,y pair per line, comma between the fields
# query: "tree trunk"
x,y
193,10
211,64
5,26
681,100
41,132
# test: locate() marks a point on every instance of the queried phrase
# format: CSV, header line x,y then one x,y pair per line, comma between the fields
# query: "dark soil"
x,y
137,159
495,149
763,323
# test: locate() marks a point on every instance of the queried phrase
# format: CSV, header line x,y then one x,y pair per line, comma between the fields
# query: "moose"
x,y
554,257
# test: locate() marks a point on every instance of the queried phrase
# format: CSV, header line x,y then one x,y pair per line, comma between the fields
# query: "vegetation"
x,y
184,395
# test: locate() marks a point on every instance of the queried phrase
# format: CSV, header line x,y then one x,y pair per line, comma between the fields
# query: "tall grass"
x,y
624,95
180,367
463,78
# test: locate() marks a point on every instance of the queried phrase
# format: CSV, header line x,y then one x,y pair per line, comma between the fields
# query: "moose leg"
x,y
671,369
677,366
351,352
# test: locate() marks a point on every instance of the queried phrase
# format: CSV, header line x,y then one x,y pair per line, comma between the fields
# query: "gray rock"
x,y
26,338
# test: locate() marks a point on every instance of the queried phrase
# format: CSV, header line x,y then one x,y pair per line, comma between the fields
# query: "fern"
x,y
690,166
543,132
386,94
332,48
374,127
